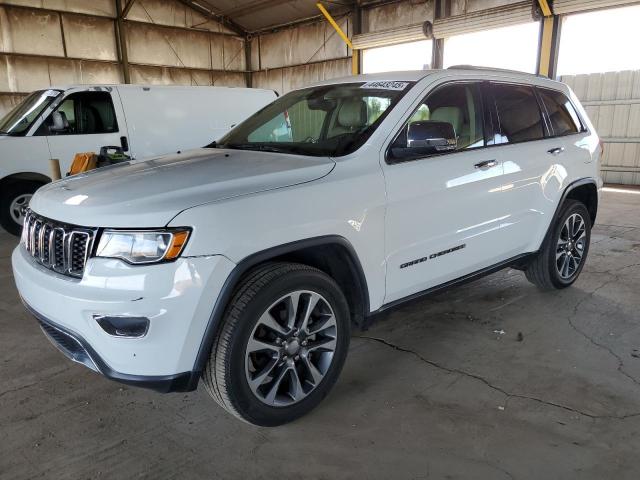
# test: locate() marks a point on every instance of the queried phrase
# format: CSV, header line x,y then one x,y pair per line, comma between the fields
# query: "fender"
x,y
233,280
572,186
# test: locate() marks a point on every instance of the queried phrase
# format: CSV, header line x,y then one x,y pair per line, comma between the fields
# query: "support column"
x,y
442,10
548,45
247,62
121,40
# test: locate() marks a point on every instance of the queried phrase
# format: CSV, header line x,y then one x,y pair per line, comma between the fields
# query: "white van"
x,y
143,120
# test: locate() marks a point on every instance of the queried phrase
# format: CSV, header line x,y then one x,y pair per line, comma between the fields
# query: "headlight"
x,y
142,246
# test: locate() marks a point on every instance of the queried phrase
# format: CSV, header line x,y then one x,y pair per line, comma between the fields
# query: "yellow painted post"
x,y
545,46
548,51
355,62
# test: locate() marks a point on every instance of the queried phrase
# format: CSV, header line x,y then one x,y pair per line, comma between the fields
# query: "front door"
x,y
444,210
89,122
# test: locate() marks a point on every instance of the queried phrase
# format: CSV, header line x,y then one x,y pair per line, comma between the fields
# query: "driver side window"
x,y
449,120
82,113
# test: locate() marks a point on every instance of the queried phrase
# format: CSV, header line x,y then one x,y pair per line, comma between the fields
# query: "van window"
x,y
460,105
82,113
564,118
518,113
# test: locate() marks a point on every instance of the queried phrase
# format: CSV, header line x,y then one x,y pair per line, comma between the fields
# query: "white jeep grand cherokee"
x,y
247,262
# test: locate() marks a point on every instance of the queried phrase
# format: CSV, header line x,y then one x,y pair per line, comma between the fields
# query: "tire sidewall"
x,y
569,209
13,191
241,396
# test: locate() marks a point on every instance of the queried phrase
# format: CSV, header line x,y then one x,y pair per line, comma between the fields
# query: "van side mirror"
x,y
426,137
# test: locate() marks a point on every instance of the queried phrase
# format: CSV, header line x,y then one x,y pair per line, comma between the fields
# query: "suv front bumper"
x,y
176,297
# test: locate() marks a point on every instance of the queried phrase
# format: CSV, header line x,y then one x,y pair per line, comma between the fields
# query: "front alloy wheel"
x,y
283,342
291,348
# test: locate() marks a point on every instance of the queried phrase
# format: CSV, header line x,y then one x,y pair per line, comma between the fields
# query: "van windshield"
x,y
19,120
328,120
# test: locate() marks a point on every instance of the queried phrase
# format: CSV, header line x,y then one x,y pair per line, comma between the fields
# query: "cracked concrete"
x,y
429,392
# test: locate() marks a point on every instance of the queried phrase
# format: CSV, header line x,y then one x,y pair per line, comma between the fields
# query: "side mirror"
x,y
58,122
426,137
439,136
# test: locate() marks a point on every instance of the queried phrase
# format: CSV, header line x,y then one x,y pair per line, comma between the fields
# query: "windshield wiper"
x,y
257,146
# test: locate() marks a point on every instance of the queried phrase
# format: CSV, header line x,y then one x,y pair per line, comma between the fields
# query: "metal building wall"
x,y
58,42
296,56
612,101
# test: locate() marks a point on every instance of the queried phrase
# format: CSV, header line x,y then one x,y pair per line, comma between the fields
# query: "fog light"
x,y
122,326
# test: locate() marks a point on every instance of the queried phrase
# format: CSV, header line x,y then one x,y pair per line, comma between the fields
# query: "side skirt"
x,y
519,262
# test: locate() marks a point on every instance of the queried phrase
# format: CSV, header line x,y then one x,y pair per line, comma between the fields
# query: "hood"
x,y
149,193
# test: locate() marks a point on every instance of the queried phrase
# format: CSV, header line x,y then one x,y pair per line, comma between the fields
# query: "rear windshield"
x,y
329,120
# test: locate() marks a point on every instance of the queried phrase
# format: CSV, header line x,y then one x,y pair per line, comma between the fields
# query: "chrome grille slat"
x,y
59,247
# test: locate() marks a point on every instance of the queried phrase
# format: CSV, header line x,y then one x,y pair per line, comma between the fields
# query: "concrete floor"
x,y
432,391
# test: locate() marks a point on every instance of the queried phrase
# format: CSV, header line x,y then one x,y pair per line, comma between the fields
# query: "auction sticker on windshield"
x,y
386,85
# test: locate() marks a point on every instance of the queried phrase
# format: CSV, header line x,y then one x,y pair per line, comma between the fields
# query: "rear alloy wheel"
x,y
282,344
571,246
563,253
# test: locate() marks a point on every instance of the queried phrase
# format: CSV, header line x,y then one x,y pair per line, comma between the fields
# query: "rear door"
x,y
534,148
90,122
443,210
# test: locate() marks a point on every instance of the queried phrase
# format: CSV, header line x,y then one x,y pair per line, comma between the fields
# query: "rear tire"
x,y
14,197
564,252
283,342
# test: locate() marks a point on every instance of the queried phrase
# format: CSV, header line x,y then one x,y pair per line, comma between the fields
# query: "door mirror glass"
x,y
438,136
425,137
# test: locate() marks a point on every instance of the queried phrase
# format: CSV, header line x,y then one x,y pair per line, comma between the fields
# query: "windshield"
x,y
18,120
329,120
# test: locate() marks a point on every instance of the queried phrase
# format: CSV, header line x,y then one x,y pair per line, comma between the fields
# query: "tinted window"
x,y
564,118
518,113
83,113
459,105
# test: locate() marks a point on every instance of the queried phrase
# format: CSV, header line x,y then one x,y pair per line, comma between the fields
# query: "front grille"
x,y
59,247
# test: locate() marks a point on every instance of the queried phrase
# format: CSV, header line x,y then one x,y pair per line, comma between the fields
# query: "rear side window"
x,y
563,117
518,113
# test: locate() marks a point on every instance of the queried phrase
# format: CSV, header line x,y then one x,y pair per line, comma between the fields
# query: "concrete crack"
x,y
17,389
508,395
618,358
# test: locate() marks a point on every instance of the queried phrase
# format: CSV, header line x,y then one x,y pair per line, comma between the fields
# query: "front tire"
x,y
282,344
13,200
564,252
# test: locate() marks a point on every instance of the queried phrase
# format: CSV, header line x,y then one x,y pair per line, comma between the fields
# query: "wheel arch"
x,y
25,177
331,254
585,191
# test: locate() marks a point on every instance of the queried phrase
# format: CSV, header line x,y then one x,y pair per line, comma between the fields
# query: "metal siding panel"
x,y
30,31
92,38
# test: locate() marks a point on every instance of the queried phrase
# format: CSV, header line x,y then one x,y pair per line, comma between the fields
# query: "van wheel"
x,y
561,259
13,201
282,344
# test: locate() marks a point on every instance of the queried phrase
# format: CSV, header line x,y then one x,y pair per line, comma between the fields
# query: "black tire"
x,y
543,271
225,377
10,193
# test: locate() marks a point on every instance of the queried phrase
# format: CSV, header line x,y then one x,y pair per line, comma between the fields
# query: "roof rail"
x,y
492,69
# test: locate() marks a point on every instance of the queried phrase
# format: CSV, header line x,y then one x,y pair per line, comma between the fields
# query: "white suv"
x,y
246,263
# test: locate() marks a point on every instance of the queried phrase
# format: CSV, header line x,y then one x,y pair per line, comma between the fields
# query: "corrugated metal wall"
x,y
57,42
612,101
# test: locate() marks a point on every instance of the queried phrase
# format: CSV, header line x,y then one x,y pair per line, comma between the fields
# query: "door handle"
x,y
124,143
486,164
556,151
